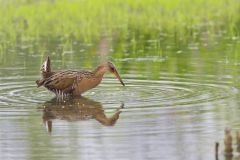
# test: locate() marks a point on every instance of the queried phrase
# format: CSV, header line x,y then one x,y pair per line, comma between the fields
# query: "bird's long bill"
x,y
118,77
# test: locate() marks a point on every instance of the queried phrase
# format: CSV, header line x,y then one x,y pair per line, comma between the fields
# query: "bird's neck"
x,y
100,71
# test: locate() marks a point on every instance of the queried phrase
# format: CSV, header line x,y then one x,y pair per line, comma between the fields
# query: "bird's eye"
x,y
112,69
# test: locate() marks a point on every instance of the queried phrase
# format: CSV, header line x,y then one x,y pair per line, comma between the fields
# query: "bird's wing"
x,y
63,80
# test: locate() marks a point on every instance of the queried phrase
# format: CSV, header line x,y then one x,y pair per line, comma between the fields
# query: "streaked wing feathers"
x,y
63,80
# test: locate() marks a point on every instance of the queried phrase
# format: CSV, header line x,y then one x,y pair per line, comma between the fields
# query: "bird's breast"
x,y
86,84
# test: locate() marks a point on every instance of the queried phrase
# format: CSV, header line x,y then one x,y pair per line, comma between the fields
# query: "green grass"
x,y
179,22
89,19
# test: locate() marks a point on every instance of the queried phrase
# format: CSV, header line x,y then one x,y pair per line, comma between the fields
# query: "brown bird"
x,y
74,82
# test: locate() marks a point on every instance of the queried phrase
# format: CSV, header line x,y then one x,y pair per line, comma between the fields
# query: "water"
x,y
175,104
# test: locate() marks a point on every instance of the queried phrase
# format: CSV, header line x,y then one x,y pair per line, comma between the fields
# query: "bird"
x,y
74,82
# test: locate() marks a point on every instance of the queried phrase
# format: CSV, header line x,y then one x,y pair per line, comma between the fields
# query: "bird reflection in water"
x,y
76,109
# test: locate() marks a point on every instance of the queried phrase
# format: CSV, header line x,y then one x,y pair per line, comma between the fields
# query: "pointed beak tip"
x,y
121,81
115,72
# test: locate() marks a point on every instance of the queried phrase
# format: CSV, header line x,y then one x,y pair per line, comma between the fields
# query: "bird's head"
x,y
112,69
108,66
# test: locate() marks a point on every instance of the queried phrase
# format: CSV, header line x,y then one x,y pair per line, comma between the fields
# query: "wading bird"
x,y
74,82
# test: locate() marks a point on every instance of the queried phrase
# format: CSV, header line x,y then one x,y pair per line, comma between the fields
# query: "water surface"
x,y
175,105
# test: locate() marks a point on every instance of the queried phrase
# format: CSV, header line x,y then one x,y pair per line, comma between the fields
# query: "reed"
x,y
88,20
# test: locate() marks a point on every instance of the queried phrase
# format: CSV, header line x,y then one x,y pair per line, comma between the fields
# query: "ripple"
x,y
175,111
20,91
169,91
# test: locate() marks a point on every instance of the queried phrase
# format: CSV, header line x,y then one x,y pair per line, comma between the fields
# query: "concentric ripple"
x,y
20,91
170,90
175,111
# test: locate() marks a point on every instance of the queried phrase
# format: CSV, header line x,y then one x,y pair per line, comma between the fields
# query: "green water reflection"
x,y
177,98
